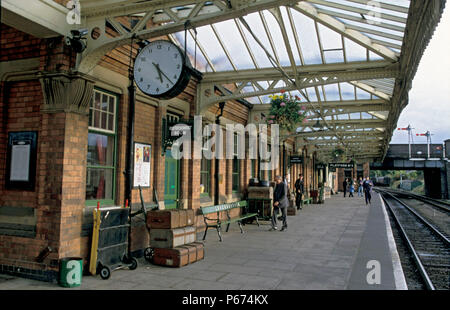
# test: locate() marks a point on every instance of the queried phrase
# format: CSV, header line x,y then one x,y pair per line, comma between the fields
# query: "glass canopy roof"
x,y
341,57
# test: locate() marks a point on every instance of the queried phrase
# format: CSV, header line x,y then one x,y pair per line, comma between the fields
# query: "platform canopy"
x,y
350,61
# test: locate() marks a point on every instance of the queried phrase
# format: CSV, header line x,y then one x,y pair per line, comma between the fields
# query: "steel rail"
x,y
423,273
434,202
428,224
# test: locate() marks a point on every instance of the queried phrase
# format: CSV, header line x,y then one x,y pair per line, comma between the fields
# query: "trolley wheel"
x,y
133,263
148,254
105,272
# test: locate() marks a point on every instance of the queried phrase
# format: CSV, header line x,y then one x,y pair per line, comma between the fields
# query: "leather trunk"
x,y
169,219
200,250
174,257
163,219
187,217
192,252
171,238
291,211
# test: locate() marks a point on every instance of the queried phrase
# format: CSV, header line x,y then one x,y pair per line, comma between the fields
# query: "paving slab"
x,y
326,247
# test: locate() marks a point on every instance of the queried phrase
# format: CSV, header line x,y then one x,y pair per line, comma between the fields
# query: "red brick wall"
x,y
18,45
22,114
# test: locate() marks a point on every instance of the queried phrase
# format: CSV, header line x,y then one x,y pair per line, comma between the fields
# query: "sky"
x,y
429,97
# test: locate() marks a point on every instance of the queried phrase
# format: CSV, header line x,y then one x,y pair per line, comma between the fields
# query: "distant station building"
x,y
76,130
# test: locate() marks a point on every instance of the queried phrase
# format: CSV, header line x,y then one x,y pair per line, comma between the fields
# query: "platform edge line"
x,y
400,281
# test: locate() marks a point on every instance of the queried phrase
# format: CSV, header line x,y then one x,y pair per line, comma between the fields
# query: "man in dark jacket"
x,y
299,188
367,186
280,201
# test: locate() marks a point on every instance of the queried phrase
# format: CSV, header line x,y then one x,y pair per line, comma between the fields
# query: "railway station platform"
x,y
326,247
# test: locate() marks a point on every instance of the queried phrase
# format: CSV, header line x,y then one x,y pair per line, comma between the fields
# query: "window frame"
x,y
108,133
209,163
208,177
238,162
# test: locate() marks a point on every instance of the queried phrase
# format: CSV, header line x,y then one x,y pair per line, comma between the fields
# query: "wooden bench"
x,y
307,200
217,222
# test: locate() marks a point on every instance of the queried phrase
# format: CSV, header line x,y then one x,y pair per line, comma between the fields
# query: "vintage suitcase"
x,y
174,257
163,219
200,250
187,218
192,252
170,238
167,219
291,211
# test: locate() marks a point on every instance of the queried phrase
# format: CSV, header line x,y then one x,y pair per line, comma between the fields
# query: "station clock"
x,y
161,70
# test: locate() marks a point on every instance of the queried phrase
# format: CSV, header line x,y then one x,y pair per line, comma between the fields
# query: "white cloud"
x,y
429,98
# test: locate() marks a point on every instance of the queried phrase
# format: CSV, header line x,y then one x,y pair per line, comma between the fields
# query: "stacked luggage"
x,y
292,208
173,237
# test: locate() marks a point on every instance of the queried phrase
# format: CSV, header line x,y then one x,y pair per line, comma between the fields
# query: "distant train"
x,y
382,181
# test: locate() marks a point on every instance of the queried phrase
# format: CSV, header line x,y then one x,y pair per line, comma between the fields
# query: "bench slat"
x,y
223,207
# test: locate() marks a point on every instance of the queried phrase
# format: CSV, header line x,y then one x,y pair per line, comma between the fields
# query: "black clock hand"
x,y
166,76
159,71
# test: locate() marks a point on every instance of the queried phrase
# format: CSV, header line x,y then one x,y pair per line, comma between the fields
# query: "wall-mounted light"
x,y
78,40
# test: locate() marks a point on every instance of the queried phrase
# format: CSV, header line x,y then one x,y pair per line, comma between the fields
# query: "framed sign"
x,y
296,159
21,160
320,166
142,164
341,165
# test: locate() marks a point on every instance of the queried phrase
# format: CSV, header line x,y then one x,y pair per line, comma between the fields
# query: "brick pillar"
x,y
62,161
366,169
340,178
228,176
193,180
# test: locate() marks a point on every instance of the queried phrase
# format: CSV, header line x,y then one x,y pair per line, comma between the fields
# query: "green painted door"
x,y
171,181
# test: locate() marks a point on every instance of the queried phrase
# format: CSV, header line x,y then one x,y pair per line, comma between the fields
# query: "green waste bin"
x,y
70,271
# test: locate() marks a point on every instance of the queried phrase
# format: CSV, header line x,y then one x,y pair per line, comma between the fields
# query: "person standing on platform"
x,y
351,188
280,201
345,186
360,187
367,185
299,189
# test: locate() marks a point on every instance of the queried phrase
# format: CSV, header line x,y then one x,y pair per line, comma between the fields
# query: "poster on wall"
x,y
21,160
142,155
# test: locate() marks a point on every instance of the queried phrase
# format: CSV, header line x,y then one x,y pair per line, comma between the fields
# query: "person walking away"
x,y
345,186
367,185
299,189
280,201
360,187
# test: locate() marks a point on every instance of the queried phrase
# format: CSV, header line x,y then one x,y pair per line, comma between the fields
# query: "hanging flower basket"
x,y
337,153
286,111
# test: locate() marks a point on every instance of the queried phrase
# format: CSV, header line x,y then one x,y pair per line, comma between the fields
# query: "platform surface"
x,y
326,247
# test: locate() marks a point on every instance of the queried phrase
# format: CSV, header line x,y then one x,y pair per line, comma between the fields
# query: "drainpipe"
x,y
129,156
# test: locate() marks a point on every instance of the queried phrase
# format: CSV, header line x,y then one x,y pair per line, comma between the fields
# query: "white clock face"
x,y
158,67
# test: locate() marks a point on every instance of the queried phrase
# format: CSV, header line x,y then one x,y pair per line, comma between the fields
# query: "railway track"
x,y
428,247
438,203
